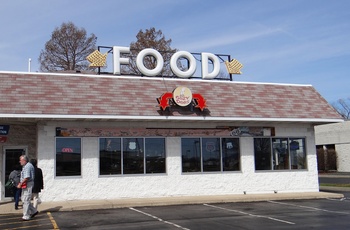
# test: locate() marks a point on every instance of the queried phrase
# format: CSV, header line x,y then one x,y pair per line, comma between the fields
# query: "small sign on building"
x,y
4,130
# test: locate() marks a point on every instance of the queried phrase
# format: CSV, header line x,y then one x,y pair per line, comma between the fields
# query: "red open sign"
x,y
67,150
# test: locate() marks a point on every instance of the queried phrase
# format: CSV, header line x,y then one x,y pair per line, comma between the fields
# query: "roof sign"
x,y
98,59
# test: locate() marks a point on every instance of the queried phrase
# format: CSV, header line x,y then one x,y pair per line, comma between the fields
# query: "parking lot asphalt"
x,y
325,192
74,205
263,215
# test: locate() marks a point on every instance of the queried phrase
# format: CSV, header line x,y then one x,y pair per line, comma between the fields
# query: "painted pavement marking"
x,y
53,222
308,207
16,222
249,214
28,227
159,219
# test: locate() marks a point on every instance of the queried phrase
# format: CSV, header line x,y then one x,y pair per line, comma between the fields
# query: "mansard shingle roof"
x,y
92,95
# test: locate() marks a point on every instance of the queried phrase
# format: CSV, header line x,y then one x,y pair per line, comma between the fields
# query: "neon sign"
x,y
206,57
67,150
98,59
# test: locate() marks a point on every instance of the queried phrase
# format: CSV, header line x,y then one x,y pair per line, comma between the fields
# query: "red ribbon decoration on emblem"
x,y
164,100
201,102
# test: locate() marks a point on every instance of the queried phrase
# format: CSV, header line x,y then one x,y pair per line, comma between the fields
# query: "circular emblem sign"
x,y
182,96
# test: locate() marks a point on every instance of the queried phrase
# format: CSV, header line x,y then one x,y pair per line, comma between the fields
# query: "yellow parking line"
x,y
27,227
5,221
53,222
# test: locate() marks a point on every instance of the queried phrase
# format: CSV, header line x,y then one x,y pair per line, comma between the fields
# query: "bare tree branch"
x,y
342,106
150,39
67,49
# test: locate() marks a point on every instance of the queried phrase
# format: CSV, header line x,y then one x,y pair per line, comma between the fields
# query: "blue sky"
x,y
278,41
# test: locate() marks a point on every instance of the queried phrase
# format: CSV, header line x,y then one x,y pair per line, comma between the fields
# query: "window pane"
x,y
68,156
230,154
110,156
155,155
133,156
191,155
297,153
280,153
211,154
262,153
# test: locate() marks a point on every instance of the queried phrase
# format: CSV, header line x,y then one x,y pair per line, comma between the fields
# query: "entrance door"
x,y
12,155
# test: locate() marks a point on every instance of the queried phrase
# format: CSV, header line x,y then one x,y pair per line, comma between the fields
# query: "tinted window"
x,y
68,156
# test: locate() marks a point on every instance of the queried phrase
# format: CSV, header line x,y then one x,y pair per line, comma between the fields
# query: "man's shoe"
x,y
26,219
16,208
34,214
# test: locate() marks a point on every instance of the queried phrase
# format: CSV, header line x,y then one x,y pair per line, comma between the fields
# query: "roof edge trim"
x,y
169,118
153,78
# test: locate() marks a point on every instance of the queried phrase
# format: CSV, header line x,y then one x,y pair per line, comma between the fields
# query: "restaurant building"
x,y
111,137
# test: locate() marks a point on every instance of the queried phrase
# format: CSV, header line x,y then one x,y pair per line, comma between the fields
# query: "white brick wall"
x,y
92,186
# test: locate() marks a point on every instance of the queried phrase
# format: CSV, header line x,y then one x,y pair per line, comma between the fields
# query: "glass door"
x,y
12,155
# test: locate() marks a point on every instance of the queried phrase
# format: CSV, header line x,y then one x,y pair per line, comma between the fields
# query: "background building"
x,y
334,139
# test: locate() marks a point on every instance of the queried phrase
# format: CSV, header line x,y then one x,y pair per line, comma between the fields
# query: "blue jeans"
x,y
16,195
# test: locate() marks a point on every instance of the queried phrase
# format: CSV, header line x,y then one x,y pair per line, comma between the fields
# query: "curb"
x,y
334,189
138,202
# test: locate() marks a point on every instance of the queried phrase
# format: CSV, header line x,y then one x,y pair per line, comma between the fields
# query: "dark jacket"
x,y
15,175
38,180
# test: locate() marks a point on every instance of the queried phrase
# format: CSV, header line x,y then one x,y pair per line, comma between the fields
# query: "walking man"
x,y
27,183
38,183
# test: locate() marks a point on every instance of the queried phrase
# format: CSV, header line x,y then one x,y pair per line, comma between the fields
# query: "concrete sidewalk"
x,y
334,175
334,178
8,207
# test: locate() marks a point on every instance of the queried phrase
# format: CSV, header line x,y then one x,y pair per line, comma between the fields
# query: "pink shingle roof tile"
x,y
73,94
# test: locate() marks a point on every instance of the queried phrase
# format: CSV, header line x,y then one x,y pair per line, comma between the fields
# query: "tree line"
x,y
70,45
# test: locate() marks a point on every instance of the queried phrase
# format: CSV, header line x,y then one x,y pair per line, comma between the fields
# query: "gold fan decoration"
x,y
234,66
97,59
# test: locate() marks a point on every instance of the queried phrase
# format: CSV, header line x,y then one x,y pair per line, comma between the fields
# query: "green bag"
x,y
9,184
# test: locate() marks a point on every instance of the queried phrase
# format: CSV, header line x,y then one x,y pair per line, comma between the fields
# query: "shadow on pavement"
x,y
54,209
